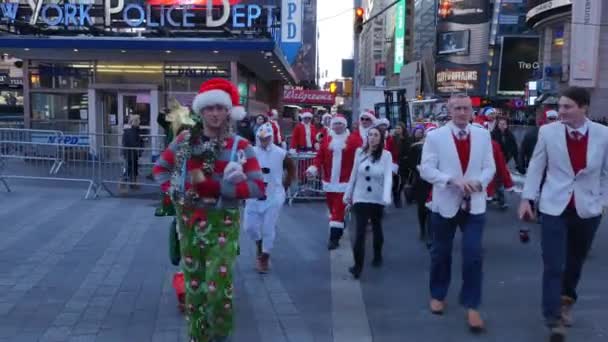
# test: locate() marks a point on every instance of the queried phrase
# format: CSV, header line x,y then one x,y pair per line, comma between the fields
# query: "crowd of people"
x,y
449,169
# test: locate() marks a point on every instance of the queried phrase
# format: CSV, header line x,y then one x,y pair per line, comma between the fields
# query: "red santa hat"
x,y
306,115
339,118
274,113
368,115
219,91
326,116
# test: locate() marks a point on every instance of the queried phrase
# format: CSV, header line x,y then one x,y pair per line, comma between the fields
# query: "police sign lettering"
x,y
291,19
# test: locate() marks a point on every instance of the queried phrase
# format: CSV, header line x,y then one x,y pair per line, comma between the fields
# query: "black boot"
x,y
334,238
258,245
377,261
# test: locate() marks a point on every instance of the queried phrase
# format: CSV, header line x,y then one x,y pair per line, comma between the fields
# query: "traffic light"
x,y
333,88
359,12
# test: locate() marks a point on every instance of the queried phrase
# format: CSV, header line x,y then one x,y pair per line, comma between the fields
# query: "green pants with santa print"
x,y
208,245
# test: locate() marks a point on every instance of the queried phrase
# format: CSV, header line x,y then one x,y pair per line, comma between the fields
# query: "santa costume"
x,y
303,136
273,118
261,214
334,163
358,138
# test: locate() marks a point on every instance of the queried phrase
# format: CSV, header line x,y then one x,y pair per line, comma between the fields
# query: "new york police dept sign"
x,y
173,13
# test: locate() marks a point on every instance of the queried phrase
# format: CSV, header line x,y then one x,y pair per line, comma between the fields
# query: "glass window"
x,y
188,78
66,112
74,75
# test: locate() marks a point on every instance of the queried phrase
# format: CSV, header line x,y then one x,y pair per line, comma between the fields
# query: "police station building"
x,y
89,64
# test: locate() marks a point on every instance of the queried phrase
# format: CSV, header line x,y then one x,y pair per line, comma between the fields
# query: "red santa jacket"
x,y
334,161
502,171
389,145
300,140
355,140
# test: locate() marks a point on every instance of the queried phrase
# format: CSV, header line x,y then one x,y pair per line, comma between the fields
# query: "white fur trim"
x,y
313,170
238,113
326,115
367,114
336,224
306,115
334,187
211,97
336,166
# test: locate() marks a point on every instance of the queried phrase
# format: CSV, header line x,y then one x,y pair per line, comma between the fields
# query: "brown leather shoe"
x,y
567,304
437,307
474,321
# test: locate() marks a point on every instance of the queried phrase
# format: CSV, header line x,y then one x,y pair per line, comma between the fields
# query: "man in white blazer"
x,y
572,156
457,160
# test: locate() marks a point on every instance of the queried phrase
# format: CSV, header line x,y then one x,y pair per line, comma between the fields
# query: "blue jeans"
x,y
565,241
443,231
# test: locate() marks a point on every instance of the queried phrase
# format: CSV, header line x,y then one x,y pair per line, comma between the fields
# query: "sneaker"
x,y
567,304
264,263
355,272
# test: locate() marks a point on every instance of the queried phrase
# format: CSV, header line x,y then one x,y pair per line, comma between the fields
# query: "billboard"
x,y
463,11
458,79
519,59
453,42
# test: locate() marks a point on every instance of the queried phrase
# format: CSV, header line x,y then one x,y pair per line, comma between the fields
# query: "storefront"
x,y
94,82
570,54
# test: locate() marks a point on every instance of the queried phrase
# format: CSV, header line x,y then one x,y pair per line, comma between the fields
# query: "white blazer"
x,y
551,156
440,163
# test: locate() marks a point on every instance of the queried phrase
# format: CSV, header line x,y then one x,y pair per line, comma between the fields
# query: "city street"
x,y
98,270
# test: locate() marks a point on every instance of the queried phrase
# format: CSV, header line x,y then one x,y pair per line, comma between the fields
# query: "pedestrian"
x,y
334,163
505,138
132,143
457,160
531,136
401,147
502,180
421,189
358,138
208,171
262,214
273,118
571,157
303,136
259,120
369,191
245,130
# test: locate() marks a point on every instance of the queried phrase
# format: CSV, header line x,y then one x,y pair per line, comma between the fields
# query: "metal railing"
x,y
304,188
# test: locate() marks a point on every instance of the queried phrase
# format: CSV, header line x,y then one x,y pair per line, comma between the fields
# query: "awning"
x,y
263,56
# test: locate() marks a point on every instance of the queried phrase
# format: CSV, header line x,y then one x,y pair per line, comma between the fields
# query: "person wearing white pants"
x,y
261,215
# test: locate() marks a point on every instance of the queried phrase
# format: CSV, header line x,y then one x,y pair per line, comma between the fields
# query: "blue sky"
x,y
335,24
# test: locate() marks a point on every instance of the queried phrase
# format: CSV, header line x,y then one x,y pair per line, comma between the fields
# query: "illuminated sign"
x,y
399,38
154,14
291,19
457,79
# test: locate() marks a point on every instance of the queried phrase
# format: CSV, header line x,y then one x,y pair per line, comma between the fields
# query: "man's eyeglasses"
x,y
366,119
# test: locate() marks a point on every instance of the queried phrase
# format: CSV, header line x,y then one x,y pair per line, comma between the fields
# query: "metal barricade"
x,y
126,170
305,188
77,163
32,144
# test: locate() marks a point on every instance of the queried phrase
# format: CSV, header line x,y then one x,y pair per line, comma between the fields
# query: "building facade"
x,y
572,47
88,67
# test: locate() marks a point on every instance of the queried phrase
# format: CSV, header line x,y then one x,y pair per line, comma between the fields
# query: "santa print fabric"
x,y
577,150
209,244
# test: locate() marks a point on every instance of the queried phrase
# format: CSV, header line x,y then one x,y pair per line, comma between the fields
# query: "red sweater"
x,y
464,151
577,150
213,186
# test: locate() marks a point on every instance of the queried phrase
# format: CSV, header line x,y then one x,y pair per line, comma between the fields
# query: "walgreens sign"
x,y
318,97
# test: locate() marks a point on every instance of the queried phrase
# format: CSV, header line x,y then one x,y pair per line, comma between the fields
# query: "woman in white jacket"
x,y
369,191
